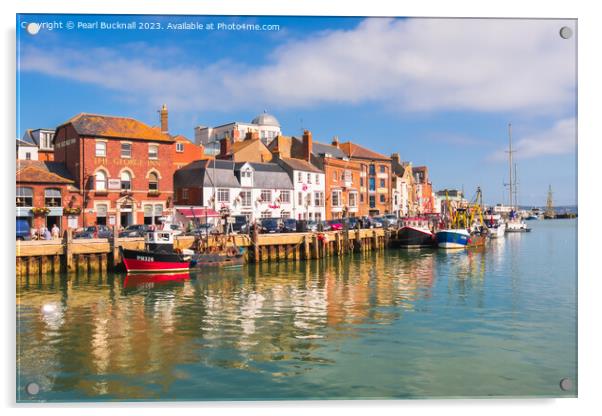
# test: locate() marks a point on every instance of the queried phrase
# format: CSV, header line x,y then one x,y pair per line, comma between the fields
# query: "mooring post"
x,y
68,249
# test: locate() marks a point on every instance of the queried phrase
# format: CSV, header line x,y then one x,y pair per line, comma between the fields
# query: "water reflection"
x,y
197,335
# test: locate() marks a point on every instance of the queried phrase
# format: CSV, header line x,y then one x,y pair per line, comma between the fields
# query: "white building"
x,y
26,150
256,190
265,125
308,189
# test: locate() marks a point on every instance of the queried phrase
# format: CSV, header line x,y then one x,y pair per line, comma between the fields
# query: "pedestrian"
x,y
34,233
47,235
55,232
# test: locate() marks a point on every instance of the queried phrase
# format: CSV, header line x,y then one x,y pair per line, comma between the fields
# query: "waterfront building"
x,y
265,125
308,188
122,167
43,140
251,149
186,152
341,175
375,178
424,196
255,190
26,150
46,194
455,196
402,187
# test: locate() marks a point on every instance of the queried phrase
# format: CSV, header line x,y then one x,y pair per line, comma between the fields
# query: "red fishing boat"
x,y
159,255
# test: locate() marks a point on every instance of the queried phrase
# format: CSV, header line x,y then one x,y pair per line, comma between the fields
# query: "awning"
x,y
198,212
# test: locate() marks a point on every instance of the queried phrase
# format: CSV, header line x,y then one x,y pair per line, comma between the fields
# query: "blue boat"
x,y
452,238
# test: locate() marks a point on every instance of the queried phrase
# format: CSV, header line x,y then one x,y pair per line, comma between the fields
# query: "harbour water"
x,y
498,322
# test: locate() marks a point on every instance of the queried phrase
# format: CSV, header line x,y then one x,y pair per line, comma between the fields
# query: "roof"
x,y
226,174
33,171
322,148
299,164
266,119
119,127
353,150
24,143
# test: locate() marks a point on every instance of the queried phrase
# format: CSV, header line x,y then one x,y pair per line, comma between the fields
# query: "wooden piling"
x,y
103,264
33,267
56,264
68,250
314,247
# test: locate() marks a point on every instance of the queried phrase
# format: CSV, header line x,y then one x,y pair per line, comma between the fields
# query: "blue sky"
x,y
441,92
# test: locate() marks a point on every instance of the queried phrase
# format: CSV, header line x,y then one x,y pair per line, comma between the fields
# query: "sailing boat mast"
x,y
510,151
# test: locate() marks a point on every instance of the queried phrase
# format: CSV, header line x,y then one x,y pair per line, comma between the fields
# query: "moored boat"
x,y
415,233
452,238
158,256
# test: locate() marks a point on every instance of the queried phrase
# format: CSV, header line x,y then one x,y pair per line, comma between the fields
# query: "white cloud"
x,y
559,139
483,65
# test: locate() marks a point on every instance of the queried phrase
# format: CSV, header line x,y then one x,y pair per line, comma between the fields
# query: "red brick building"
x,y
186,152
375,178
423,188
122,167
46,195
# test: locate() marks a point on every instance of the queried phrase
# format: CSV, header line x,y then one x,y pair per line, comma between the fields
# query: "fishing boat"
x,y
452,238
415,233
495,225
158,255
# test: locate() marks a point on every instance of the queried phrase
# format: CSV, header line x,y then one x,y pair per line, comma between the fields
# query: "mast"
x,y
515,187
510,151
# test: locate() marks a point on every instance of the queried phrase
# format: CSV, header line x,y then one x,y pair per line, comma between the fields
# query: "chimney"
x,y
307,145
252,135
395,158
164,128
335,141
236,135
225,146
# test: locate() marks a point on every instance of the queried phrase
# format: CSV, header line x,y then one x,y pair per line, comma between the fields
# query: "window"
x,y
24,197
126,181
372,170
101,181
52,198
336,198
179,147
382,183
285,214
309,178
185,193
245,198
285,197
46,141
300,198
383,169
101,214
126,150
372,201
28,156
153,151
101,149
223,195
319,199
347,176
317,179
299,177
153,182
372,185
383,198
334,175
353,199
266,195
266,214
361,181
148,214
318,216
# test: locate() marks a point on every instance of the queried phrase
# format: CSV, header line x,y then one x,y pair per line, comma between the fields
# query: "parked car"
x,y
23,230
203,230
270,225
289,225
377,222
390,220
312,226
335,225
241,224
137,230
352,223
94,231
